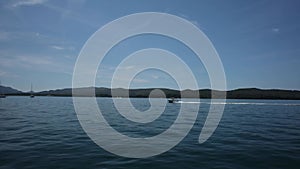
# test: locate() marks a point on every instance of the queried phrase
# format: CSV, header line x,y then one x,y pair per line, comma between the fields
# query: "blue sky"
x,y
257,41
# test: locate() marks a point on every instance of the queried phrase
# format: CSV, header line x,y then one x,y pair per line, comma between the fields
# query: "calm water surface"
x,y
44,132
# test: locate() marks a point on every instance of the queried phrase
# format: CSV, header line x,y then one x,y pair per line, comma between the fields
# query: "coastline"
x,y
242,93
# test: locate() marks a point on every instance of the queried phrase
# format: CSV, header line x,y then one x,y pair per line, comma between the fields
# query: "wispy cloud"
x,y
275,30
35,63
71,14
57,47
155,76
34,60
7,74
127,67
123,82
27,3
139,80
24,63
62,47
20,35
194,22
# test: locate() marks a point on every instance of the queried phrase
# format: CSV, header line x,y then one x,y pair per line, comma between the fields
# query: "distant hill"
x,y
106,92
245,93
8,90
254,93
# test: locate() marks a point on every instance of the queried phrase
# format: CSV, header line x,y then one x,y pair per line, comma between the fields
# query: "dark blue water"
x,y
44,132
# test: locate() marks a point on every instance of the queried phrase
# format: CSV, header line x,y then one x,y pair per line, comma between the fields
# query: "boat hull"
x,y
173,100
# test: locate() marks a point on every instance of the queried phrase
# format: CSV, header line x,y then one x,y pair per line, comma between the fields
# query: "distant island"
x,y
243,93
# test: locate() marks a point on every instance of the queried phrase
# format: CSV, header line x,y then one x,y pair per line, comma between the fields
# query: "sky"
x,y
258,41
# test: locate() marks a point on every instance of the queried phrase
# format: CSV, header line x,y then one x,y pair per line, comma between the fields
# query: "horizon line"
x,y
140,88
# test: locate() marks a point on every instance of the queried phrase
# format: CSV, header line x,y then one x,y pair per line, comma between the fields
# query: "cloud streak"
x,y
27,3
57,47
34,60
35,63
275,30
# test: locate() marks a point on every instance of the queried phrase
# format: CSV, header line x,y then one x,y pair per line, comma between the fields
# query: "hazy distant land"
x,y
244,93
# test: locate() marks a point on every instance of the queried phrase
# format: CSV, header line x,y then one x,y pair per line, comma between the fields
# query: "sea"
x,y
44,132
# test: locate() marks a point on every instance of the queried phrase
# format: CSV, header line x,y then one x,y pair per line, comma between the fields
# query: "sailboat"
x,y
1,94
31,92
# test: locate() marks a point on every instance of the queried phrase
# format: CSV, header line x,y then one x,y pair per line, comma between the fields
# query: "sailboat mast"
x,y
31,91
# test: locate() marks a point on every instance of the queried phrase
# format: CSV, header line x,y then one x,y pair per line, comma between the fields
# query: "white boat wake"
x,y
240,103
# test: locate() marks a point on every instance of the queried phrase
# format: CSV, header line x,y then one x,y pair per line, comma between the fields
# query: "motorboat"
x,y
172,100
